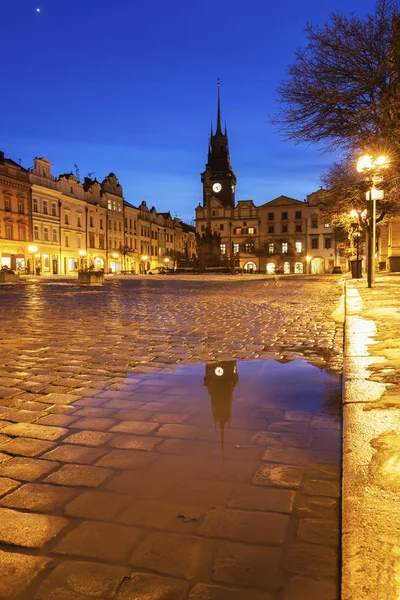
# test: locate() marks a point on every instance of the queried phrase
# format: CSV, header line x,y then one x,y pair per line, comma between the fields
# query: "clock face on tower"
x,y
217,187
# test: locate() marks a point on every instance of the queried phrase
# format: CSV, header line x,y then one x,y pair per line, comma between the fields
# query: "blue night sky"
x,y
130,87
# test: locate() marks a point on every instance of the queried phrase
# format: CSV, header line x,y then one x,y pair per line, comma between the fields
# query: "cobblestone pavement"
x,y
101,487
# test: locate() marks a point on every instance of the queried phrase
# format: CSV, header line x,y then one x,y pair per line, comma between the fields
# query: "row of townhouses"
x,y
52,225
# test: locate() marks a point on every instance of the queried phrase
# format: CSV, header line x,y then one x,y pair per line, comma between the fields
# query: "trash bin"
x,y
356,269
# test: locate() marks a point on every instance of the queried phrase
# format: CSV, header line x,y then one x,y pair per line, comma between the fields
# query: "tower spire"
x,y
219,130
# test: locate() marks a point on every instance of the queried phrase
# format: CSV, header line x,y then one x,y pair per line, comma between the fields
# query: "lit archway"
x,y
317,265
298,267
250,267
270,268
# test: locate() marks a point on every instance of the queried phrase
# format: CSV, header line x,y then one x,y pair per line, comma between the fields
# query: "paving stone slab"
x,y
7,485
145,586
39,497
302,588
245,526
279,475
26,469
173,554
250,566
79,475
131,442
41,432
127,459
135,427
17,571
322,488
319,531
28,529
88,438
81,580
311,560
72,453
25,446
102,506
104,541
258,498
163,515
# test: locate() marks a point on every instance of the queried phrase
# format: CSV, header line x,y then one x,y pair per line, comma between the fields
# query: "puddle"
x,y
216,478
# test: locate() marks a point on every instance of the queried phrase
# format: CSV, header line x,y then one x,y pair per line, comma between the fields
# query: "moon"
x,y
38,10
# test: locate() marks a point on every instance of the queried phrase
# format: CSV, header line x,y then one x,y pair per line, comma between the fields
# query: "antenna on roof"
x,y
77,172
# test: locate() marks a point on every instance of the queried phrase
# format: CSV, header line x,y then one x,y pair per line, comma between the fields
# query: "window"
x,y
213,213
314,223
202,227
286,268
110,225
72,190
35,232
54,235
327,225
46,234
236,248
109,205
248,247
328,243
221,227
67,241
120,226
314,243
9,232
271,229
21,234
66,219
298,246
284,228
270,268
244,223
285,247
298,214
21,208
79,241
91,221
91,240
115,225
298,228
54,209
223,248
101,223
7,204
284,216
251,230
101,242
271,216
35,205
45,209
271,248
79,221
237,231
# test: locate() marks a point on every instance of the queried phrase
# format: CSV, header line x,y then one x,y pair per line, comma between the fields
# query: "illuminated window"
x,y
249,247
284,247
223,248
298,246
270,268
271,248
298,267
327,225
236,248
286,268
251,230
237,231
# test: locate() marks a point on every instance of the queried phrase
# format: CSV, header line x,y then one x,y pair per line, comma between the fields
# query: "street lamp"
x,y
115,255
166,260
32,250
356,269
372,167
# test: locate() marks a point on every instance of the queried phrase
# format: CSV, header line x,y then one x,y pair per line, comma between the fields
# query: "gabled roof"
x,y
282,201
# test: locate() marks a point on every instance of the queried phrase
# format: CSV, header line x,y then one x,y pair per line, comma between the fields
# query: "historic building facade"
x,y
281,236
52,225
15,215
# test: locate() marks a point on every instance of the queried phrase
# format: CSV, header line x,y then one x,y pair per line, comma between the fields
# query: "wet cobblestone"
x,y
103,479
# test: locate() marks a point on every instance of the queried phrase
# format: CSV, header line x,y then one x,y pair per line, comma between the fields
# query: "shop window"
x,y
286,268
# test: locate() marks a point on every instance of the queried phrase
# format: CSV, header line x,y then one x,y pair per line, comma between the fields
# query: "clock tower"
x,y
218,179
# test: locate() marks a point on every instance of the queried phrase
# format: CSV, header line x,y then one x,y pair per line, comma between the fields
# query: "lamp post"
x,y
372,167
115,255
166,261
32,250
308,264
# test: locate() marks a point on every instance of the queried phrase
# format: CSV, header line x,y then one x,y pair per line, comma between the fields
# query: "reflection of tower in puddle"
x,y
221,379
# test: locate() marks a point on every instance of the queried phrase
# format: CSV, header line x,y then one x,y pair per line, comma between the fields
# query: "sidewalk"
x,y
371,441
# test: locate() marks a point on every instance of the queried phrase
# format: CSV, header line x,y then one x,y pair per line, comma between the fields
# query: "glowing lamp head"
x,y
82,252
32,249
166,260
308,258
364,163
353,213
144,257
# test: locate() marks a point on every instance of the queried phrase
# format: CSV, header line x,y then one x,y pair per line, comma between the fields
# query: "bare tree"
x,y
341,91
